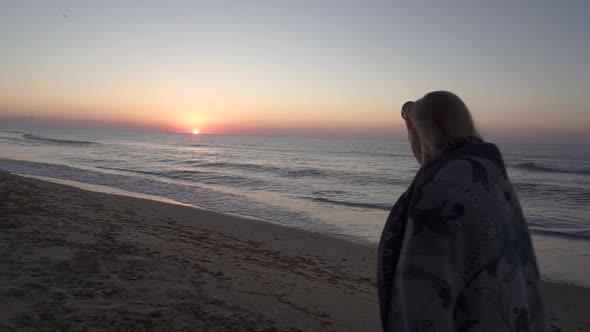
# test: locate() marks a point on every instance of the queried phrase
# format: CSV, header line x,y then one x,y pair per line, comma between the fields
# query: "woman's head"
x,y
433,121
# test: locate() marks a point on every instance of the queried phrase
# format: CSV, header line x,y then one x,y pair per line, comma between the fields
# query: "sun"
x,y
195,131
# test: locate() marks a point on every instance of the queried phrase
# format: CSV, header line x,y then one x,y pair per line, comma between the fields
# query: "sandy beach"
x,y
78,260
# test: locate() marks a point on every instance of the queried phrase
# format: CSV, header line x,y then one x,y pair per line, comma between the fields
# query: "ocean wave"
x,y
129,170
195,176
283,171
566,194
559,168
360,178
56,140
567,233
10,139
355,152
344,198
374,153
366,205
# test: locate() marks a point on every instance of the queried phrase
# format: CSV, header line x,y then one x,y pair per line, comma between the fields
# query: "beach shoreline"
x,y
78,259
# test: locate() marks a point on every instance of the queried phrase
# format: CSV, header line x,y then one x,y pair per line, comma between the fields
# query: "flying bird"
x,y
65,15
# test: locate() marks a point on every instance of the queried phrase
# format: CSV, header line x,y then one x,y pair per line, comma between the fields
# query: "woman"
x,y
455,253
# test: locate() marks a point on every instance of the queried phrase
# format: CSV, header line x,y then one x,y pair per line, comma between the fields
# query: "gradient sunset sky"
x,y
297,67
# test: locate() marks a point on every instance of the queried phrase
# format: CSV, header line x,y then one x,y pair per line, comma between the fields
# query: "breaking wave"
x,y
560,168
58,140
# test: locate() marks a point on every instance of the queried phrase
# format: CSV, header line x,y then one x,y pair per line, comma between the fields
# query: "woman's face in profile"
x,y
414,143
414,138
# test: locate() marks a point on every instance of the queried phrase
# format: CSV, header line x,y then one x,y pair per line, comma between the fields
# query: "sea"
x,y
343,187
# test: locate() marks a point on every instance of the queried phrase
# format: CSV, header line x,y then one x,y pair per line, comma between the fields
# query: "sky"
x,y
296,67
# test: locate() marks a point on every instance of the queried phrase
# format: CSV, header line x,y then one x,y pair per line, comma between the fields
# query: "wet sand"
x,y
72,259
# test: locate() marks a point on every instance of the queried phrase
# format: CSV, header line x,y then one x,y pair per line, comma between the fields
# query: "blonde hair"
x,y
438,118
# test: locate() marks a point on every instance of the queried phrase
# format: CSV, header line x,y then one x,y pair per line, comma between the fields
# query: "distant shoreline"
x,y
546,242
120,192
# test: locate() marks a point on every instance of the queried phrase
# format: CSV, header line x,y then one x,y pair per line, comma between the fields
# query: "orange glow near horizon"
x,y
195,131
292,71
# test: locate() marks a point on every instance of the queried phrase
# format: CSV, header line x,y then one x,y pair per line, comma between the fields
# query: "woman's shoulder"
x,y
480,164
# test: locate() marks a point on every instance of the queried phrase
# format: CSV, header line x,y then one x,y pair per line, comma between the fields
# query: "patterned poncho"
x,y
456,253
